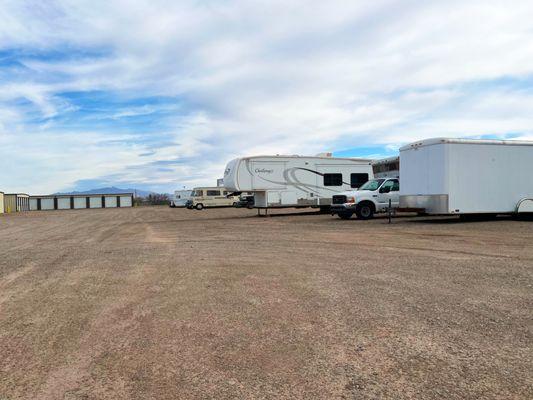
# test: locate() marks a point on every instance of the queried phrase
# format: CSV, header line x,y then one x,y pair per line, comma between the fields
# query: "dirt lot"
x,y
160,303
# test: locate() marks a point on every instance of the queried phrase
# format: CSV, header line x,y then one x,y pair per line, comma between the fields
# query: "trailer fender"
x,y
525,206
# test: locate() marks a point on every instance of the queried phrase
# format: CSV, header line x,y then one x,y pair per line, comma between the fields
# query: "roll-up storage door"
x,y
47,204
95,202
80,202
125,201
110,201
63,203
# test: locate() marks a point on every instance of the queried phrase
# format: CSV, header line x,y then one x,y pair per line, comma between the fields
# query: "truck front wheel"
x,y
345,215
365,210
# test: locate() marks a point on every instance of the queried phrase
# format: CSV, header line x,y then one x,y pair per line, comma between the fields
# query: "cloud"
x,y
164,93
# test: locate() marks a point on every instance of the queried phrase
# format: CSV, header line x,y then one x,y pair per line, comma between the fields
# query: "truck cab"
x,y
372,197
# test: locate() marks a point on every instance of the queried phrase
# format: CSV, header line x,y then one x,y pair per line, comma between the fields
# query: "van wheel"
x,y
365,210
234,204
199,206
345,215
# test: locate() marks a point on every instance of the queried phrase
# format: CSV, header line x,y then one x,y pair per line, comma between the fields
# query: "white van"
x,y
202,197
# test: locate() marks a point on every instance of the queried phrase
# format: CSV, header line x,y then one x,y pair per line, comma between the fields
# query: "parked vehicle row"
x,y
434,176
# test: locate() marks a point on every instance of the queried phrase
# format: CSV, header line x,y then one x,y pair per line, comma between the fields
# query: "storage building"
x,y
80,201
14,202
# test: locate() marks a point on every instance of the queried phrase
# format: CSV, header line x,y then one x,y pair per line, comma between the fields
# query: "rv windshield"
x,y
372,185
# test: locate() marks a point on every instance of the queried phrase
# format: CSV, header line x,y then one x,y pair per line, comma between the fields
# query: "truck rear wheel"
x,y
365,210
345,215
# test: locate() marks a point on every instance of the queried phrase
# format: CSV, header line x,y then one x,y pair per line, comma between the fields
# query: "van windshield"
x,y
372,185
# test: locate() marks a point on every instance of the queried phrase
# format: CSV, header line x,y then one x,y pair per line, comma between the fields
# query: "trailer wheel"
x,y
199,206
365,210
345,215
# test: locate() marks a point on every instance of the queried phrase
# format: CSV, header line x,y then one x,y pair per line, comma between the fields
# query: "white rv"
x,y
459,176
387,167
295,181
180,198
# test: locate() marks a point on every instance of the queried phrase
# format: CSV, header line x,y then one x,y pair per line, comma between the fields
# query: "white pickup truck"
x,y
371,198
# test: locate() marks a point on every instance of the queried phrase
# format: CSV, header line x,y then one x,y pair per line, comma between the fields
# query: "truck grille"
x,y
339,199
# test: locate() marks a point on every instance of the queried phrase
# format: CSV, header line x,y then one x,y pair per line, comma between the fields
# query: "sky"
x,y
159,95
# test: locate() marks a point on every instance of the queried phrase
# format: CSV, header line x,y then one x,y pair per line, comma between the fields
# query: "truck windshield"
x,y
372,185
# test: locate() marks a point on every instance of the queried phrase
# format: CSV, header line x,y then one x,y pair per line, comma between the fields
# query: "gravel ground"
x,y
160,303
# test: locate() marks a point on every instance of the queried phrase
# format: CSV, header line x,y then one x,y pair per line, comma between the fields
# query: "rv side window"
x,y
357,180
198,193
332,179
213,192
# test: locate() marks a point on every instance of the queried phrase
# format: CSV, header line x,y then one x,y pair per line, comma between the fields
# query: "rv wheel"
x,y
365,211
199,206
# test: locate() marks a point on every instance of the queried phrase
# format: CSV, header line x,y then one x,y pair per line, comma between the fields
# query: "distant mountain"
x,y
110,190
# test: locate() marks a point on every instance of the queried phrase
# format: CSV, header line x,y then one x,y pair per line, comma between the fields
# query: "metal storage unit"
x,y
1,202
80,201
14,202
10,203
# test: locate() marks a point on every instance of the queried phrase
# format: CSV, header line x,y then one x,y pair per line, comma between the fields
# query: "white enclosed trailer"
x,y
460,176
295,181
